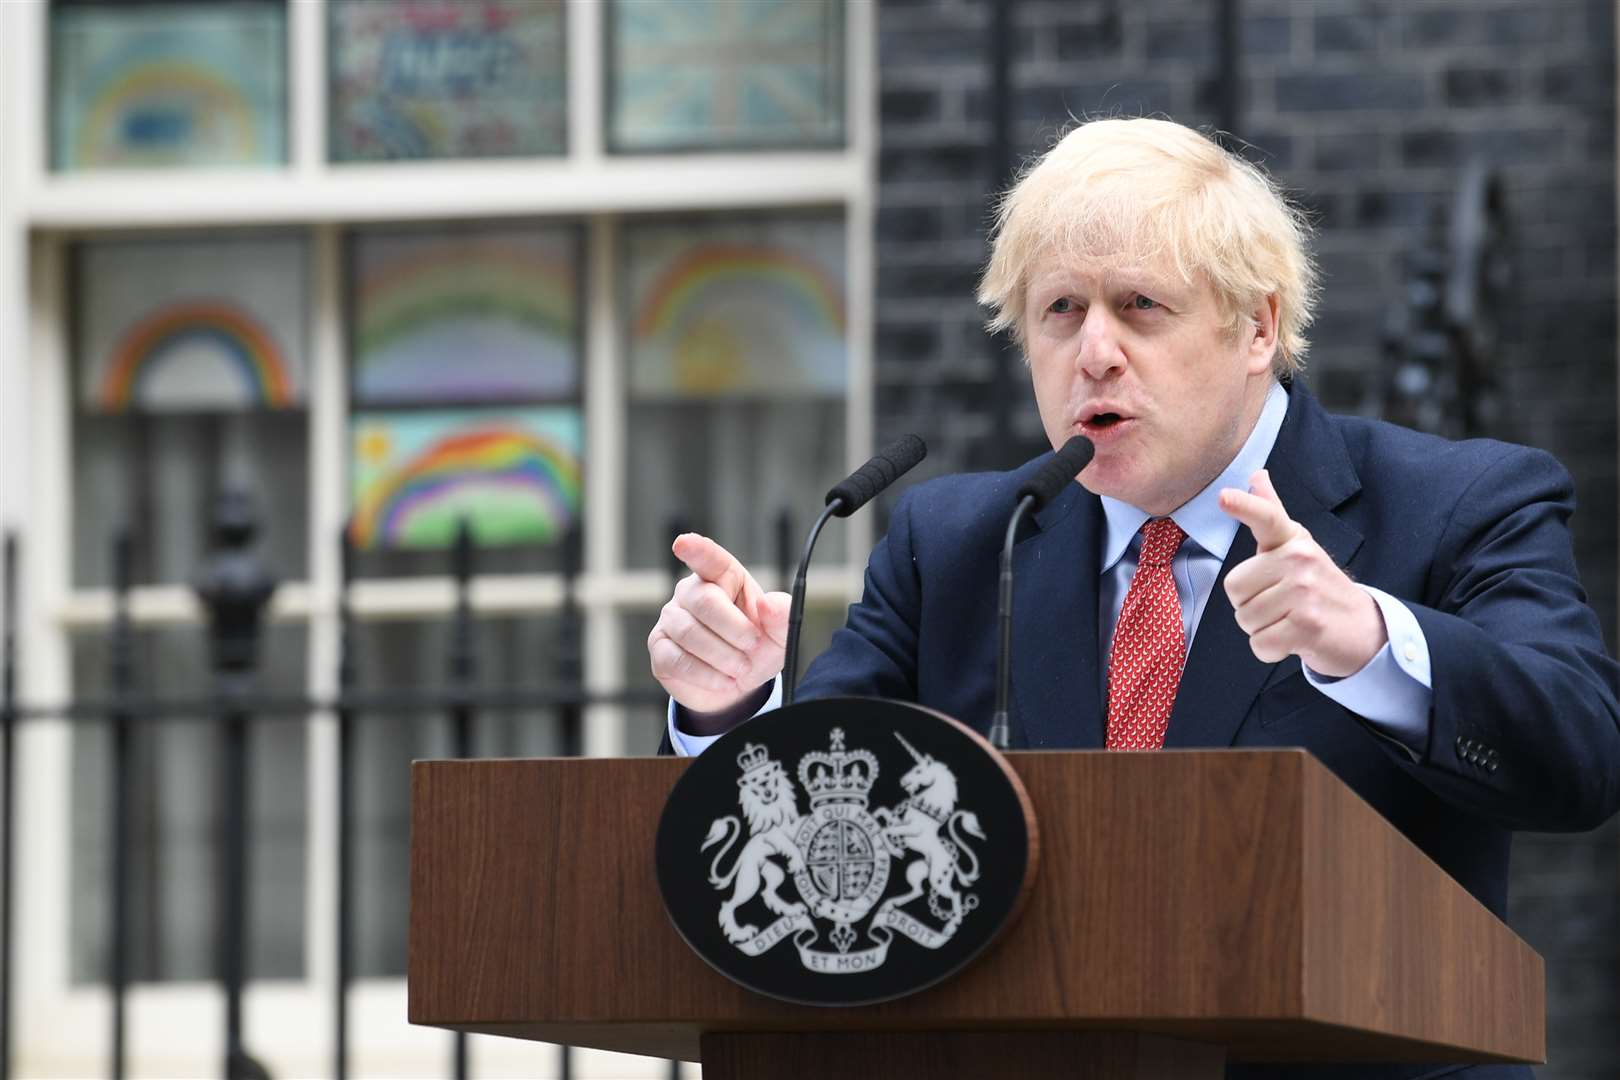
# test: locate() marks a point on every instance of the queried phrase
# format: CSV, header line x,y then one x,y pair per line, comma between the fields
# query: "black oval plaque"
x,y
845,851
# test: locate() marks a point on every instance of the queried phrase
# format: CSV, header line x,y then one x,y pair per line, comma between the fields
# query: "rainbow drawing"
x,y
157,111
201,86
465,318
698,276
180,332
723,319
515,475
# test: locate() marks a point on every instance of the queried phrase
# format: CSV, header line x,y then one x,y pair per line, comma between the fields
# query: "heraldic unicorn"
x,y
838,857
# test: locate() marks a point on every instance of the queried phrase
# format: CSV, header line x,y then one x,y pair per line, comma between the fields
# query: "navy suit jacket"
x,y
1472,536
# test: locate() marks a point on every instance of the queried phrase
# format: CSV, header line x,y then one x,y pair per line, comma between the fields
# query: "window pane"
x,y
447,79
174,859
191,363
716,74
511,474
155,85
474,315
399,657
737,368
465,316
193,325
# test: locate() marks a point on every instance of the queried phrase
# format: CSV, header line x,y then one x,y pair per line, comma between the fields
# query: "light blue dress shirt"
x,y
1392,692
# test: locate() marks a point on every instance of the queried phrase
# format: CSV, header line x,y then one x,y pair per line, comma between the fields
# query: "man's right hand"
x,y
721,636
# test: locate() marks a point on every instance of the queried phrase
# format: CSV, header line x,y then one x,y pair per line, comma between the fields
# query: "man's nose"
x,y
1100,353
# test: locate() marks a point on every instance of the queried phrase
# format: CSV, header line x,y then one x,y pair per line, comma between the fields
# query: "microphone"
x,y
1050,479
894,460
846,497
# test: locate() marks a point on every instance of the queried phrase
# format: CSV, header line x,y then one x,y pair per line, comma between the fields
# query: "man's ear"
x,y
1262,336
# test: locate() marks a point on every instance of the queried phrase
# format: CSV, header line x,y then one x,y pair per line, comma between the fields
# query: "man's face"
x,y
1142,364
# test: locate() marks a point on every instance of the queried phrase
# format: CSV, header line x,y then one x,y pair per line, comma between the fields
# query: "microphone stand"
x,y
790,660
1000,729
848,496
1051,478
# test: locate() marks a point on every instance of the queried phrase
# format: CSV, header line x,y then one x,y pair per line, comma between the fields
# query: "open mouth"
x,y
1101,424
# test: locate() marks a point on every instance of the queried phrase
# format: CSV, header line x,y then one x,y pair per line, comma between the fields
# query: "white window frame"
x,y
173,1029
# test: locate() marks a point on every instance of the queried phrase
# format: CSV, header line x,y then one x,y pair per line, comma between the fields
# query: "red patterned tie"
x,y
1150,646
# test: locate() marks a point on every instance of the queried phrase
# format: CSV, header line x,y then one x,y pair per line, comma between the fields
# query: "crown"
x,y
842,776
753,757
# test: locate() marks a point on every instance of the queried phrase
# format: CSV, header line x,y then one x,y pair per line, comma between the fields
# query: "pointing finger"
x,y
1260,484
711,562
1262,511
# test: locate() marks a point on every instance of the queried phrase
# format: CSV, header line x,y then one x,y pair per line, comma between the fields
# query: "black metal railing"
x,y
235,588
8,785
119,831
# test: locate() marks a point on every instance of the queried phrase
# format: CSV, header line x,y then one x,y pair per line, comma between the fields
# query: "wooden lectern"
x,y
1192,908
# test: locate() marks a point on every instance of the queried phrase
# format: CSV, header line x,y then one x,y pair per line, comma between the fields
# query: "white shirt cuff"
x,y
689,745
1395,688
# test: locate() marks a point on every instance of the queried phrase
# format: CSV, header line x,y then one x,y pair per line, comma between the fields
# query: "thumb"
x,y
773,615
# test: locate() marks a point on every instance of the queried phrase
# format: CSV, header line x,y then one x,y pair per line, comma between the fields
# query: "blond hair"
x,y
1153,191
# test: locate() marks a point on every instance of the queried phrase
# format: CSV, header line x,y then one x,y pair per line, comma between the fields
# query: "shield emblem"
x,y
846,867
841,860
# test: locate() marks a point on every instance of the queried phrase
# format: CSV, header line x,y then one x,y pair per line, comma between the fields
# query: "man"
x,y
1235,566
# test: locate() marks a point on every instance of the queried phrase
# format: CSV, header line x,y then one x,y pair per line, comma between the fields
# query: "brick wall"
x,y
1367,109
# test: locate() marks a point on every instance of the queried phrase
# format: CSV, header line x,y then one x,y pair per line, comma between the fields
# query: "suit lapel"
x,y
1312,473
1056,690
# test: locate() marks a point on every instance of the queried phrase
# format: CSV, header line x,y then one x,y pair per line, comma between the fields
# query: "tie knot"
x,y
1160,539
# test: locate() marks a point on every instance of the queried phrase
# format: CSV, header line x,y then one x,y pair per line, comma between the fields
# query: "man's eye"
x,y
1061,306
1144,303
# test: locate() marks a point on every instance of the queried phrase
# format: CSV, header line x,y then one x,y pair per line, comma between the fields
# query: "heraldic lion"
x,y
770,805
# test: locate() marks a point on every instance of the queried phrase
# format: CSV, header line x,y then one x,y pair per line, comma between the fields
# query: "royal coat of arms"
x,y
842,879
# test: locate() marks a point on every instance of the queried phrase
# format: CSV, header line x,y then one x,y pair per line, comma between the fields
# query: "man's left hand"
x,y
1290,597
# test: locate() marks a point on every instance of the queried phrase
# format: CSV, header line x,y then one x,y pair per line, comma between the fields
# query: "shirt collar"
x,y
1201,517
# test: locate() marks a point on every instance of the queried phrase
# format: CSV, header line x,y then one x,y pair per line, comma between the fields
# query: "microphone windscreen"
x,y
857,489
1063,467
